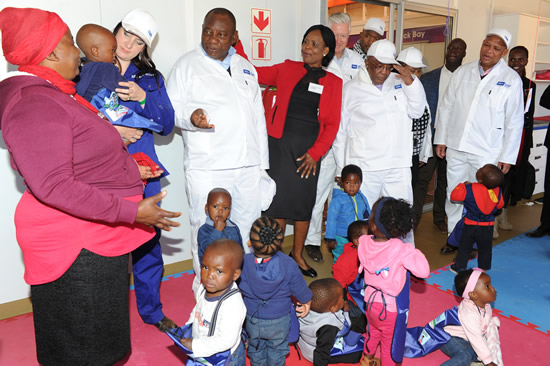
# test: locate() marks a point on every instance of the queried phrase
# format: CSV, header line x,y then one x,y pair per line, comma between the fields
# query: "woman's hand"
x,y
308,166
129,134
146,172
199,119
152,215
130,91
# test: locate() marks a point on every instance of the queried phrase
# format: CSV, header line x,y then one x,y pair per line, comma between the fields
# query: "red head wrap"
x,y
29,35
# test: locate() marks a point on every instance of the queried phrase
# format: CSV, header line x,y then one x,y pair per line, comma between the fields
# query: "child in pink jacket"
x,y
385,259
471,339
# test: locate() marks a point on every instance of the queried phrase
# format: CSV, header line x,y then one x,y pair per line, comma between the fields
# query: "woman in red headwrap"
x,y
82,211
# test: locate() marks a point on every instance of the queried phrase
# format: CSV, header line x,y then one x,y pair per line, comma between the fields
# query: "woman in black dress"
x,y
301,128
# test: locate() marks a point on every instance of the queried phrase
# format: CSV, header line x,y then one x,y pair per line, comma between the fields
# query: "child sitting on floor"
x,y
348,204
481,201
217,225
220,268
346,267
385,259
319,328
268,280
470,340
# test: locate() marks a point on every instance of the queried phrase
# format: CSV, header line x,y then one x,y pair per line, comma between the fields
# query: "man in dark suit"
x,y
544,228
435,83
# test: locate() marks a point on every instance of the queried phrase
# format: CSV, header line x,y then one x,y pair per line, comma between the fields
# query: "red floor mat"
x,y
520,344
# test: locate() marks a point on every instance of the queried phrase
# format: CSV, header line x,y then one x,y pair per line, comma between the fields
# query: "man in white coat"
x,y
218,105
376,126
345,64
480,119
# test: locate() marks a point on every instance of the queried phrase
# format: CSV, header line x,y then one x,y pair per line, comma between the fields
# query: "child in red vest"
x,y
481,200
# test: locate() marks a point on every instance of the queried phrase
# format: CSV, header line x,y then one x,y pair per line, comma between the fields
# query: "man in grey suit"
x,y
435,83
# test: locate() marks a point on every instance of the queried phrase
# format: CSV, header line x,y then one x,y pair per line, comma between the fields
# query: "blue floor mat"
x,y
521,276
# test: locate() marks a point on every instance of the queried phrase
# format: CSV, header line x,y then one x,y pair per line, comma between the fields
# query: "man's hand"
x,y
440,151
504,167
199,119
404,74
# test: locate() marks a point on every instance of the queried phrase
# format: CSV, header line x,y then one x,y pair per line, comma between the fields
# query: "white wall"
x,y
179,31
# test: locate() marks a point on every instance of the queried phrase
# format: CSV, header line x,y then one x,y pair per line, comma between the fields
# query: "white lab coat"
x,y
233,104
482,117
232,155
348,67
376,126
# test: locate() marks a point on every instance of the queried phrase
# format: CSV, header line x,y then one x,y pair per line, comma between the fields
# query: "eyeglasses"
x,y
380,67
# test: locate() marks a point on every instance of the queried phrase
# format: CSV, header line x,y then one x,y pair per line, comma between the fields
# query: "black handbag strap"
x,y
217,309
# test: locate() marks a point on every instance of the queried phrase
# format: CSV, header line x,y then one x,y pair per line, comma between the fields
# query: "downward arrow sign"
x,y
261,23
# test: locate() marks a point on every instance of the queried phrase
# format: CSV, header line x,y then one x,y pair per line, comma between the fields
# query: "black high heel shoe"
x,y
310,272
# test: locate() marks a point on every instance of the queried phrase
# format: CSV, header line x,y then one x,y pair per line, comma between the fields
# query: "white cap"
x,y
503,34
142,24
375,24
412,57
384,51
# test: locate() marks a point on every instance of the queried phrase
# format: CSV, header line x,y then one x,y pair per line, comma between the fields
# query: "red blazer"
x,y
285,77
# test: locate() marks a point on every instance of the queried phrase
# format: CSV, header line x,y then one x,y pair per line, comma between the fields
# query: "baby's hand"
x,y
331,243
346,306
219,223
199,120
302,309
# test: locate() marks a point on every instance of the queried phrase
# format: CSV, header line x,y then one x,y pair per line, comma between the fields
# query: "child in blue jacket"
x,y
268,280
217,225
348,205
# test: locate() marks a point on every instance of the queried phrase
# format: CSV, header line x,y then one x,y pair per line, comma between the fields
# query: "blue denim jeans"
x,y
267,340
238,357
460,351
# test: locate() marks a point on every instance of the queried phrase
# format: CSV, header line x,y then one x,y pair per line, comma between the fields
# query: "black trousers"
x,y
82,317
545,215
483,236
420,188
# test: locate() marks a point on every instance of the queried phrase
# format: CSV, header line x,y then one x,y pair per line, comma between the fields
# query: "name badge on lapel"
x,y
315,88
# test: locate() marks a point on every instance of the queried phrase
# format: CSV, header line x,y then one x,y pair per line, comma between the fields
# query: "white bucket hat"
x,y
142,24
375,24
412,57
503,34
384,51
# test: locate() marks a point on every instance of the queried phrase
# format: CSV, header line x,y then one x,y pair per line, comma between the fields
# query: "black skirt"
x,y
295,196
82,317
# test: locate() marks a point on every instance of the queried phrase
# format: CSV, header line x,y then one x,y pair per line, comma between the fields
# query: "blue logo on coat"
x,y
248,72
502,83
398,86
354,66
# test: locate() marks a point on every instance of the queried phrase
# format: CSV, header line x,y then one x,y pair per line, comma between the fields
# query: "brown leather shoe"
x,y
441,226
165,324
